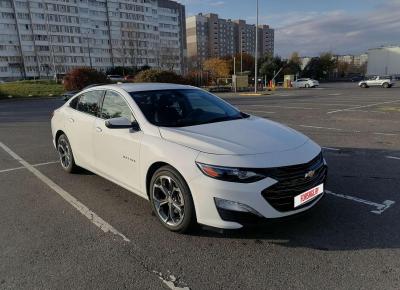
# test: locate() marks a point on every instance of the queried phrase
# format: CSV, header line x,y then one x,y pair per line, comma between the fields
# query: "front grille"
x,y
292,182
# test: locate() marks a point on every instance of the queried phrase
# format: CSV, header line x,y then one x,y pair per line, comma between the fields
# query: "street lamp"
x,y
256,54
89,48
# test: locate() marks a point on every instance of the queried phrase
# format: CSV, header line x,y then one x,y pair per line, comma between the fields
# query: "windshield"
x,y
181,108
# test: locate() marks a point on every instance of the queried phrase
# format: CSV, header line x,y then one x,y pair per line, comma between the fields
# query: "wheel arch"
x,y
58,134
150,172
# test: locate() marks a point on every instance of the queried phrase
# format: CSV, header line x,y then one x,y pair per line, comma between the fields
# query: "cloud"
x,y
218,3
337,31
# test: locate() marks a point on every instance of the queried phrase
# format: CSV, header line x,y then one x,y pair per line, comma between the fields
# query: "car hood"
x,y
248,136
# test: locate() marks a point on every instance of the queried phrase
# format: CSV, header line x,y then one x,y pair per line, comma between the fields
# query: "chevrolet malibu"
x,y
196,158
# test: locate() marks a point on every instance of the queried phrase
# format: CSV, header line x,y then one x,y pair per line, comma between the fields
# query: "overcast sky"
x,y
314,26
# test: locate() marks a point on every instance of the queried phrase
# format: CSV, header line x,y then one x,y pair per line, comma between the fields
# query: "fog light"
x,y
234,206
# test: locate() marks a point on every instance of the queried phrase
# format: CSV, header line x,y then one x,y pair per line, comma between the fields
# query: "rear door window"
x,y
89,102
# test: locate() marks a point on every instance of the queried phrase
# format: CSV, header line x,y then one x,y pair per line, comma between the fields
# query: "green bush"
x,y
40,88
79,78
159,76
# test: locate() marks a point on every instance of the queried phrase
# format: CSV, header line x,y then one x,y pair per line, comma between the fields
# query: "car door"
x,y
374,81
80,123
300,83
117,150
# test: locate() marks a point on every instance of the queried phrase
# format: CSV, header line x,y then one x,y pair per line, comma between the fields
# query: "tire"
x,y
307,86
66,155
171,200
386,85
364,86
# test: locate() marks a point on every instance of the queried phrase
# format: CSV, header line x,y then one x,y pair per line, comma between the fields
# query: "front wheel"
x,y
307,86
65,153
364,86
171,200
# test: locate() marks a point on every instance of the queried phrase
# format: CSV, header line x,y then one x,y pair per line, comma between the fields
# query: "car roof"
x,y
140,87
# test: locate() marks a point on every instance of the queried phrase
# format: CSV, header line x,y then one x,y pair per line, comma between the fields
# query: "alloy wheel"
x,y
168,200
64,152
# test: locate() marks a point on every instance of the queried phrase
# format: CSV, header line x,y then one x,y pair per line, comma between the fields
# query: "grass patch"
x,y
24,89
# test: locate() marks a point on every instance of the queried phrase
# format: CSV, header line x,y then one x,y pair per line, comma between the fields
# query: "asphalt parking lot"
x,y
109,238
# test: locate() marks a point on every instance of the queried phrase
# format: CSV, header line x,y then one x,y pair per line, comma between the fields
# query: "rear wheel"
x,y
64,149
386,85
171,200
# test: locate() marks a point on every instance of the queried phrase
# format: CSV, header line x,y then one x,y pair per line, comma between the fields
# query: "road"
x,y
350,240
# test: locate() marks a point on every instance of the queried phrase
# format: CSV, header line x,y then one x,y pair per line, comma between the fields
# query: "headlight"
x,y
230,174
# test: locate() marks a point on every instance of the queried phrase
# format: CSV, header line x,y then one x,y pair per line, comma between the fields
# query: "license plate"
x,y
308,195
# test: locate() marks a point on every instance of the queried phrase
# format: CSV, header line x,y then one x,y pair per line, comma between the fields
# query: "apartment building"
x,y
39,38
210,36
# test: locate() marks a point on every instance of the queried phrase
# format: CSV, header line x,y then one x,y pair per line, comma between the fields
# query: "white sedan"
x,y
196,158
305,83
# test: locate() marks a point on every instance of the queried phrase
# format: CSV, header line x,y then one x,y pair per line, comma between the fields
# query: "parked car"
x,y
115,78
305,83
129,78
377,81
356,78
196,158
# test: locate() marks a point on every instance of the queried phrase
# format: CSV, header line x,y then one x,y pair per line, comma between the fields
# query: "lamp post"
x,y
89,48
234,75
256,55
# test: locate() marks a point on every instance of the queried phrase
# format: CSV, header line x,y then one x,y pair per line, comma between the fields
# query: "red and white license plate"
x,y
308,195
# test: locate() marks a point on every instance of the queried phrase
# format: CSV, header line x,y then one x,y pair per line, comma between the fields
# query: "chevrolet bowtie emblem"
x,y
309,174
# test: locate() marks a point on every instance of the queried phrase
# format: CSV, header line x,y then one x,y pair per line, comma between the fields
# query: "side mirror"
x,y
121,123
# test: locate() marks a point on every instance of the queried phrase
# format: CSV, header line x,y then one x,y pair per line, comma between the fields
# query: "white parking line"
x,y
93,217
34,165
330,149
260,112
385,134
284,107
345,131
317,127
380,207
360,107
392,157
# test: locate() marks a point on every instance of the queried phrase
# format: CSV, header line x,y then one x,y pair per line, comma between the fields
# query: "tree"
x,y
217,68
321,67
245,60
122,71
158,76
270,65
168,57
79,78
343,68
293,67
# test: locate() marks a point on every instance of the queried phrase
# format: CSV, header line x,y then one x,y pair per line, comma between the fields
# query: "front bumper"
x,y
205,190
270,198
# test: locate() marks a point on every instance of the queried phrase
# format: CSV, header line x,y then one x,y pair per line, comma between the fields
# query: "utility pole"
x,y
88,47
256,55
241,51
234,74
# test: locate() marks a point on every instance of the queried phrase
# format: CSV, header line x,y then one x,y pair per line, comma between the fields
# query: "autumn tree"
x,y
79,78
293,66
217,68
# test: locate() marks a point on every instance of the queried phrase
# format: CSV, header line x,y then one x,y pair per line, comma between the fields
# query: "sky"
x,y
314,26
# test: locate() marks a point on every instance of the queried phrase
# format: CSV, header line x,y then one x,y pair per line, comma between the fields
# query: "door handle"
x,y
98,129
71,120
